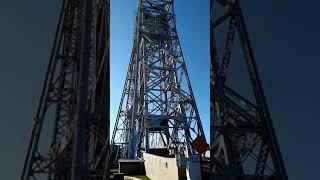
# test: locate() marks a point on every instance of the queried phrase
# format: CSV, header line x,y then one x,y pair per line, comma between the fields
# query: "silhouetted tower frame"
x,y
240,129
74,98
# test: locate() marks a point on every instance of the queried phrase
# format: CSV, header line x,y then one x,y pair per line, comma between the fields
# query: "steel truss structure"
x,y
157,108
243,141
74,101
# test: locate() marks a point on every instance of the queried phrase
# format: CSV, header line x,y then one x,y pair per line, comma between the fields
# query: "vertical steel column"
x,y
133,133
80,160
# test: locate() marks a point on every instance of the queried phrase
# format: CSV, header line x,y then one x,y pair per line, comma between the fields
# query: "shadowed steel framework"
x,y
74,102
157,109
243,141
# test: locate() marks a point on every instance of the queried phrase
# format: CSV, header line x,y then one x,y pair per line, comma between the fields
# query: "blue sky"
x,y
193,28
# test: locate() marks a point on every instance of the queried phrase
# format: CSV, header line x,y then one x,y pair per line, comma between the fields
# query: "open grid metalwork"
x,y
243,141
157,108
74,102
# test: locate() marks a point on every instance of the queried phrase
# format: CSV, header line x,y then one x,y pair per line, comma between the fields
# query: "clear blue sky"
x,y
193,28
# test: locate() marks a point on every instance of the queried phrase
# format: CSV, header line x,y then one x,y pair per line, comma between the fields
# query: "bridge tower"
x,y
157,112
74,104
243,140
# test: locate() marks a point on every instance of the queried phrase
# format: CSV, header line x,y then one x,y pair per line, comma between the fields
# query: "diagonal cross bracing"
x,y
162,112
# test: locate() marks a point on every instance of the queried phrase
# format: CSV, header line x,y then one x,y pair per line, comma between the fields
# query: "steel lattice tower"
x,y
74,98
243,140
157,108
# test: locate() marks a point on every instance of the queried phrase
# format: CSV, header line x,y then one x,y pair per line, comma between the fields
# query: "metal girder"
x,y
157,108
243,142
74,98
